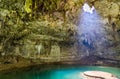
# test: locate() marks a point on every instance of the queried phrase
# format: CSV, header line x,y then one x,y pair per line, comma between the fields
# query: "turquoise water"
x,y
57,72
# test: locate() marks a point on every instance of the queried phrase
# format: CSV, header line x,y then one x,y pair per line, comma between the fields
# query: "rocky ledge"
x,y
98,75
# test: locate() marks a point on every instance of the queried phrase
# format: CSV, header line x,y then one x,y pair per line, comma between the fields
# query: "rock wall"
x,y
110,10
49,37
106,46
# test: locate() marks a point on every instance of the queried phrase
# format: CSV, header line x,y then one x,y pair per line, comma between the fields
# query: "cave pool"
x,y
57,72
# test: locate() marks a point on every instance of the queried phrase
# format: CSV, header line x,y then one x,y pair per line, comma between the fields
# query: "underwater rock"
x,y
98,75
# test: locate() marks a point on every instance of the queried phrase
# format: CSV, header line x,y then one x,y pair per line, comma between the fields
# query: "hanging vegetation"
x,y
15,20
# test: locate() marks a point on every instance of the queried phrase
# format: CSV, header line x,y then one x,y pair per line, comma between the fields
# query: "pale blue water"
x,y
58,72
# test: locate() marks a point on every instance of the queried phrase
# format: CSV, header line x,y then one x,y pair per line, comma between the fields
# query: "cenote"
x,y
58,72
72,33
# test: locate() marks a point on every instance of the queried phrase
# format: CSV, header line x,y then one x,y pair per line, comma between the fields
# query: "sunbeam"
x,y
90,28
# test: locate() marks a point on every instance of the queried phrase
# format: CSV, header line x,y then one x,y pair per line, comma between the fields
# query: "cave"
x,y
59,39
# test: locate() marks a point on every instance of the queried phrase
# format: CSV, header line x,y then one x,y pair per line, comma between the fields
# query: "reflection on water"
x,y
57,72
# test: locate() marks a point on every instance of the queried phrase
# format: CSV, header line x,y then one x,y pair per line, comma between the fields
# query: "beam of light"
x,y
90,28
88,9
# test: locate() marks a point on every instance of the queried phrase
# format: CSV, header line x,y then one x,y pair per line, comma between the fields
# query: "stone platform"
x,y
98,75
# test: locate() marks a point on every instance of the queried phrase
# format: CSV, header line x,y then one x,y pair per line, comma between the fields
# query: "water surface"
x,y
57,72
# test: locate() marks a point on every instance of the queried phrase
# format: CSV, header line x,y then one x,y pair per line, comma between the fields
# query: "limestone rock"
x,y
10,60
17,51
4,12
107,8
114,9
55,50
27,50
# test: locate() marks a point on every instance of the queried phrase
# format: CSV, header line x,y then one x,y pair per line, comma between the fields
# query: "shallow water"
x,y
57,72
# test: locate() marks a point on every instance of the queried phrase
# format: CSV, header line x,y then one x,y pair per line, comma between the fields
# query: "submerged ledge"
x,y
98,75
